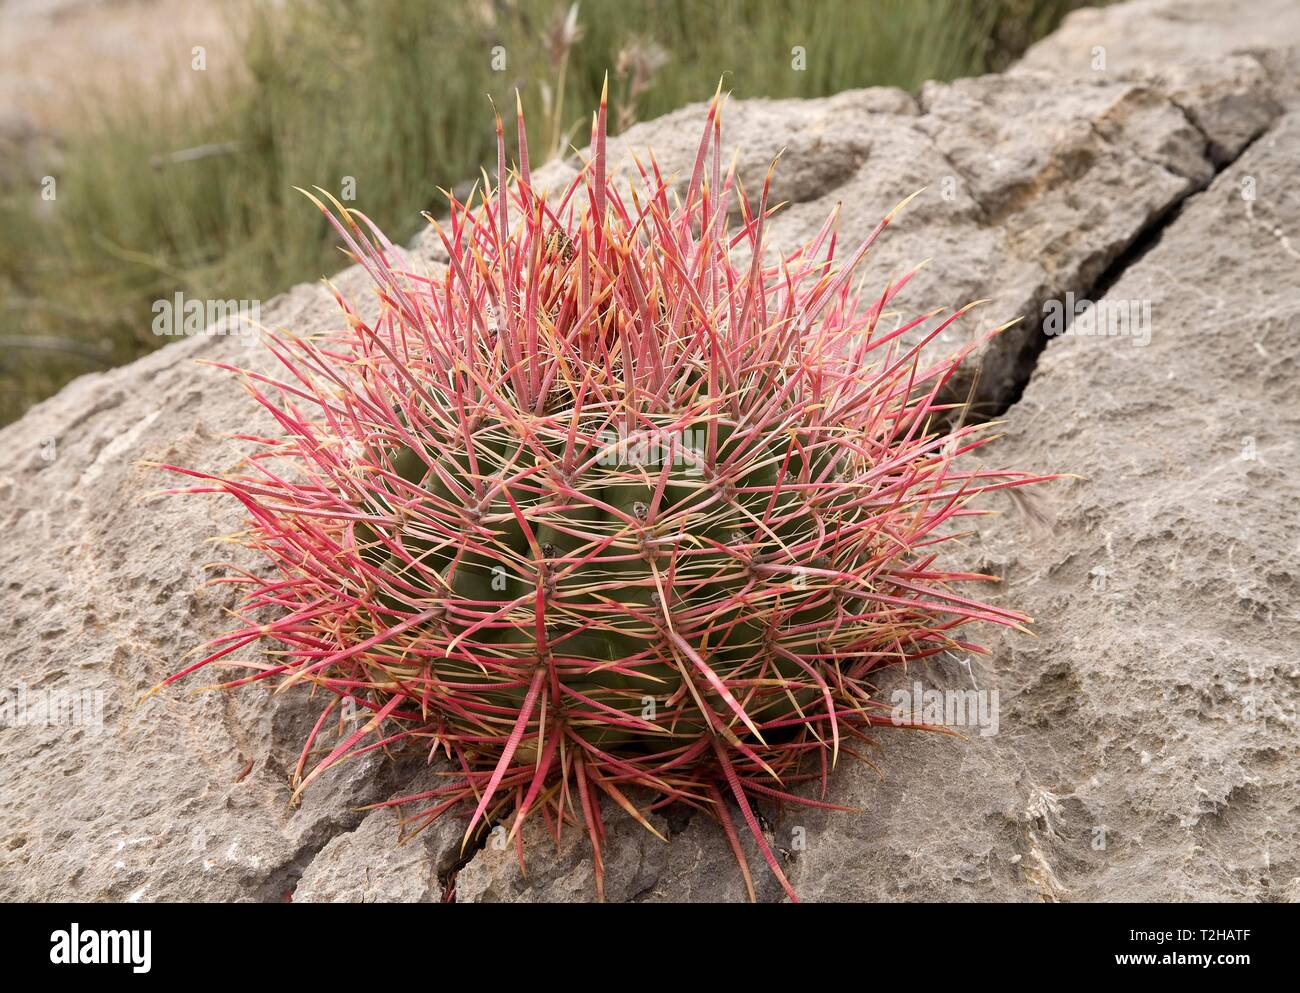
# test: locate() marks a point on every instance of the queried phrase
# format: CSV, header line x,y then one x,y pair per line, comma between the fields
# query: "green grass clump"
x,y
393,95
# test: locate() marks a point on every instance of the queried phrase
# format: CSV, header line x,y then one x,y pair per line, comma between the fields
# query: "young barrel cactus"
x,y
615,507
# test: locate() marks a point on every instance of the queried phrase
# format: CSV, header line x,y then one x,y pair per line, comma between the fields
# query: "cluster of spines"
x,y
465,427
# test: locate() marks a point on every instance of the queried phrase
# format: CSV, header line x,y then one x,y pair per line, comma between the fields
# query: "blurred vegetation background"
x,y
167,188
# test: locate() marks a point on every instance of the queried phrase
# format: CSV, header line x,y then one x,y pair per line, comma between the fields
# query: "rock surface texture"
x,y
1147,158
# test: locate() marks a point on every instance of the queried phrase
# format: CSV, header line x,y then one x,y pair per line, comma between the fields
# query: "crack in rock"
x,y
1147,239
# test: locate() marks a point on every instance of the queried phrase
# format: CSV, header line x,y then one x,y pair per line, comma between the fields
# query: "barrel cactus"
x,y
614,507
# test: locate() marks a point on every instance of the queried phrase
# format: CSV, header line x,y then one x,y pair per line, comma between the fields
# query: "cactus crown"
x,y
615,505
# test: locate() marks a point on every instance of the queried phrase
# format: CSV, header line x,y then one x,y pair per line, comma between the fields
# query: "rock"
x,y
177,796
633,860
693,864
1160,699
1126,764
1194,46
1140,36
385,859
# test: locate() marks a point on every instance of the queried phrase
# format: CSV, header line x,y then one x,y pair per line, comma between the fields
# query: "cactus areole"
x,y
621,507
